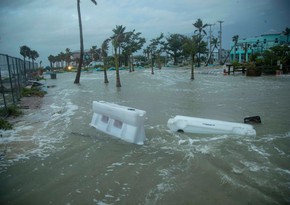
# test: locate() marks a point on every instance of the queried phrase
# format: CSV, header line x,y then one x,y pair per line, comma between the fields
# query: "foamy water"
x,y
71,163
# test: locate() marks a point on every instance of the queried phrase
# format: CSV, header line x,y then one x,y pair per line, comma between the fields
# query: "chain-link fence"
x,y
14,74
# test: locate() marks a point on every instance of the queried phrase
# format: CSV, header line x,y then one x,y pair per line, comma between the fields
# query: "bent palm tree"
x,y
78,75
117,39
190,47
286,33
105,48
33,55
235,40
214,42
25,51
200,29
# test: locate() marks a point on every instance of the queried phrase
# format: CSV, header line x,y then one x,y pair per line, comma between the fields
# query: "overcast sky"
x,y
51,26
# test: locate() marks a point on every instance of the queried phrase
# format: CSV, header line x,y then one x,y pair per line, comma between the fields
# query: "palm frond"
x,y
94,1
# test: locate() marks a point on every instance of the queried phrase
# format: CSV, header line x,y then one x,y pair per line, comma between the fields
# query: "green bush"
x,y
11,110
34,91
5,125
236,63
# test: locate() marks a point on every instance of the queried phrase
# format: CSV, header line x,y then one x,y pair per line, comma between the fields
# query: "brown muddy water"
x,y
53,156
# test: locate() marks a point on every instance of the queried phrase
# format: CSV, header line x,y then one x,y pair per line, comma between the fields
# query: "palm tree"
x,y
190,47
117,39
155,48
235,40
214,42
33,55
200,29
62,57
78,75
68,54
51,60
25,52
105,47
286,33
146,52
245,48
93,52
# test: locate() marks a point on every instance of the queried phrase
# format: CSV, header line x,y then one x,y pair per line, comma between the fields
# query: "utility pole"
x,y
220,35
210,39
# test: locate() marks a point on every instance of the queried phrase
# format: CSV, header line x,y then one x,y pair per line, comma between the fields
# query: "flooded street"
x,y
53,156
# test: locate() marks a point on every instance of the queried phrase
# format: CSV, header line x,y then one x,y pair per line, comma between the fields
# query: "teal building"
x,y
255,45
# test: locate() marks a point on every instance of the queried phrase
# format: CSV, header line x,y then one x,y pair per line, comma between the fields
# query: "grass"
x,y
34,91
5,125
12,110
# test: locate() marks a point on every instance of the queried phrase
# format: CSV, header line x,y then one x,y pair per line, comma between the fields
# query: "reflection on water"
x,y
53,156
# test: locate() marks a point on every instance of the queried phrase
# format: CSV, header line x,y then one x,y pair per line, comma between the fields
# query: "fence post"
x,y
10,78
3,90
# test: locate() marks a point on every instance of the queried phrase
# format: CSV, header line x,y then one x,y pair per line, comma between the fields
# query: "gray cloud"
x,y
52,26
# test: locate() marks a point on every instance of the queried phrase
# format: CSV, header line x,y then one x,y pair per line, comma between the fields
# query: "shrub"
x,y
34,91
5,125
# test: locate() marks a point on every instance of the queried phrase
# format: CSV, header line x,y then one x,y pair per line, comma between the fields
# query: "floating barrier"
x,y
252,119
207,126
123,122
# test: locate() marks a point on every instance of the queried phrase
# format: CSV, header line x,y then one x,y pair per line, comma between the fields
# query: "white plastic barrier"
x,y
208,126
119,121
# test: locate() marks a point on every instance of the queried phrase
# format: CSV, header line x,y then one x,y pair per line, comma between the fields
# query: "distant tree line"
x,y
126,43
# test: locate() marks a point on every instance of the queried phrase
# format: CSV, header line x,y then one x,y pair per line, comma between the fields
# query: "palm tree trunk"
x,y
228,55
118,81
210,56
192,67
159,62
105,76
105,71
78,75
152,65
132,62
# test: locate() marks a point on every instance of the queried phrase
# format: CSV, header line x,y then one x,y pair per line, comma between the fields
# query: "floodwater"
x,y
53,156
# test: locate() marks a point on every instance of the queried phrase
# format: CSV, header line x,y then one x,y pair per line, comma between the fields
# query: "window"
x,y
118,124
276,40
105,119
265,40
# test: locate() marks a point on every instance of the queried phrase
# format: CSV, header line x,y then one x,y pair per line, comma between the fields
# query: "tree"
x,y
95,53
78,75
146,52
68,54
25,52
190,48
105,47
174,46
235,39
286,33
51,60
117,38
61,58
282,54
199,29
132,43
154,49
214,42
33,55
